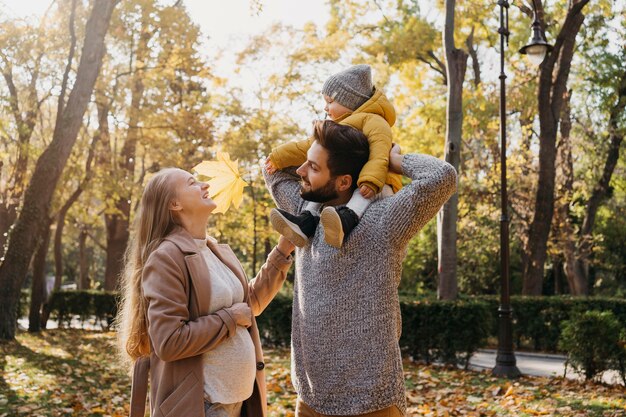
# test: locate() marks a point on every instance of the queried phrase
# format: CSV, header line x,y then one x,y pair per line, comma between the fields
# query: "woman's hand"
x,y
285,246
395,159
241,313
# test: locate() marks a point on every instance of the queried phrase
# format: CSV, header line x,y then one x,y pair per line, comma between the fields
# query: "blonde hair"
x,y
153,222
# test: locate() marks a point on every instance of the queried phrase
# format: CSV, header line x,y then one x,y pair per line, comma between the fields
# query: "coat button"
x,y
260,366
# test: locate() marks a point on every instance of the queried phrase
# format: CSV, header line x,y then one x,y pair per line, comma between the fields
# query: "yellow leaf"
x,y
534,412
226,185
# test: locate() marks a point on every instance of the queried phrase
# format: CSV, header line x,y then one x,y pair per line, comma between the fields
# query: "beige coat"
x,y
176,285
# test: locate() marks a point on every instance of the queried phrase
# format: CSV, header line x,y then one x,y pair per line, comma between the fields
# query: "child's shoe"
x,y
298,229
338,223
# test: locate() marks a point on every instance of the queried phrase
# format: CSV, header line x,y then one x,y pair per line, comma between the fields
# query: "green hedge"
x,y
449,332
538,321
445,331
83,305
275,321
592,342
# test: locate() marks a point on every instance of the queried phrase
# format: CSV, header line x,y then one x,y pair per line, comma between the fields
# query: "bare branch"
x,y
473,51
381,11
95,240
440,67
7,73
68,67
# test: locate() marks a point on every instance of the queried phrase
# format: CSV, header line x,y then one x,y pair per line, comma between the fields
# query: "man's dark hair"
x,y
348,148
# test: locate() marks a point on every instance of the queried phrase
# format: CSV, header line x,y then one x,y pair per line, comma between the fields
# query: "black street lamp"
x,y
537,47
536,51
505,359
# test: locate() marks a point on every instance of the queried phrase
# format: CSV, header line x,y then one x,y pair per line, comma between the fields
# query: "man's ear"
x,y
343,182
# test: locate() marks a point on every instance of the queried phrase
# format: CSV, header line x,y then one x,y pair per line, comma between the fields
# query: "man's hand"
x,y
366,191
395,159
241,313
269,166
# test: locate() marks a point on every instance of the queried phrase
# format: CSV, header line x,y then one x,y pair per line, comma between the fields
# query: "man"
x,y
346,315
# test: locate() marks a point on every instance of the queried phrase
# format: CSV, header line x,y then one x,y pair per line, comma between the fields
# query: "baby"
x,y
350,99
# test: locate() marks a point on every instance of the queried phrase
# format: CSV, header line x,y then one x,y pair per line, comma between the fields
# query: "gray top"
x,y
230,368
346,314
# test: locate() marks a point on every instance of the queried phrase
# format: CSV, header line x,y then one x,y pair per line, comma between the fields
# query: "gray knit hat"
x,y
350,88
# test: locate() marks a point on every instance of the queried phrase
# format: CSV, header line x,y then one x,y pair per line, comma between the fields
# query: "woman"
x,y
187,311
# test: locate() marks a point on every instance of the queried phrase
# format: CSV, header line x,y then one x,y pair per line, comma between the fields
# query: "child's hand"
x,y
269,166
366,191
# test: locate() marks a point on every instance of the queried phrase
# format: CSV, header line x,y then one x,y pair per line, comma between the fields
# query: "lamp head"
x,y
537,47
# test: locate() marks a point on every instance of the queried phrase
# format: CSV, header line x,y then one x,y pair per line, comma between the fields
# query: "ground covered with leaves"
x,y
76,373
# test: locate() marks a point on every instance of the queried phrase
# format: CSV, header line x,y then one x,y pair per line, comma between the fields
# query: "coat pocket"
x,y
177,397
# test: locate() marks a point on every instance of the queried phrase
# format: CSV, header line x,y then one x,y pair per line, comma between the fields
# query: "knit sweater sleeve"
x,y
433,183
284,186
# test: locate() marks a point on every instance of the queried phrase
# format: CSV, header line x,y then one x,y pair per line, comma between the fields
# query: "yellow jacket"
x,y
374,118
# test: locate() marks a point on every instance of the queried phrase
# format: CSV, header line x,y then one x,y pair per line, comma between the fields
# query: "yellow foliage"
x,y
226,185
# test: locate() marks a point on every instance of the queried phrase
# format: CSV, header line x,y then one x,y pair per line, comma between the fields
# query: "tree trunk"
x,y
522,192
558,276
38,287
83,280
25,126
552,87
456,63
49,167
117,238
58,235
268,247
580,264
117,224
566,236
8,214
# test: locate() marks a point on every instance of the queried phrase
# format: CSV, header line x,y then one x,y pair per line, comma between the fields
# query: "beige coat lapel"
x,y
200,283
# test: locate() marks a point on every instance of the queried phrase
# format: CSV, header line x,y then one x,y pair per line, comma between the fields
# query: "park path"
x,y
535,364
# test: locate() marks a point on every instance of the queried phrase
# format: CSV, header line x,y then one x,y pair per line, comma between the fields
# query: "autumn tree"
x,y
596,131
258,118
39,192
157,85
456,64
22,56
553,78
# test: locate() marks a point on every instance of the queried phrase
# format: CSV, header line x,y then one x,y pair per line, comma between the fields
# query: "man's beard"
x,y
322,194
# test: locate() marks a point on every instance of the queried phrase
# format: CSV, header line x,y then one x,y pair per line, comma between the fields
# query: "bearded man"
x,y
346,319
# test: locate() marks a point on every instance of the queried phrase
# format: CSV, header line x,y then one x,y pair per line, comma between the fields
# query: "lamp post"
x,y
537,47
505,359
536,51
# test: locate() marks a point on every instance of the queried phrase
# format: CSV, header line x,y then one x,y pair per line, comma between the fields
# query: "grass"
x,y
76,373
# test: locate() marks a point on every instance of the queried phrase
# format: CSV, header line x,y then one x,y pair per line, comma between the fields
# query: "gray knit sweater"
x,y
345,356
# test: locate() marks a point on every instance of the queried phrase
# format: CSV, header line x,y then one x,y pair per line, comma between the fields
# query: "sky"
x,y
222,21
235,19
